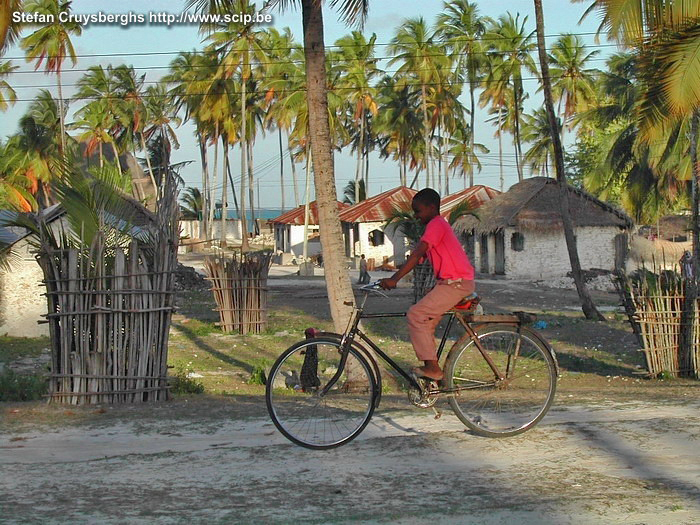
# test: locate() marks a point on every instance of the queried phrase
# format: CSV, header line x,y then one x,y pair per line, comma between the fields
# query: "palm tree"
x,y
193,201
463,151
280,68
354,192
574,87
514,45
337,279
589,308
415,48
51,42
94,121
240,46
462,29
536,131
8,96
186,73
496,93
162,115
358,71
17,185
398,124
9,29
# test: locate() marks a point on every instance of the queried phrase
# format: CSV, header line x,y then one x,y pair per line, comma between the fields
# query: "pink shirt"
x,y
445,252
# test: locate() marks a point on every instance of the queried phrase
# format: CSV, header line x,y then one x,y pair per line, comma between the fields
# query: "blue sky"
x,y
131,44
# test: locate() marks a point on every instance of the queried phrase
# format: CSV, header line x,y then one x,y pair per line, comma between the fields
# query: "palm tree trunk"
x,y
279,134
358,168
294,173
589,308
426,135
233,186
443,153
471,128
102,162
251,189
337,278
244,157
116,156
61,112
206,204
307,204
148,163
518,147
224,191
690,277
500,146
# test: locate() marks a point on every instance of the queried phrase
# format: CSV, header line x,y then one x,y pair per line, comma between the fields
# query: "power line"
x,y
329,47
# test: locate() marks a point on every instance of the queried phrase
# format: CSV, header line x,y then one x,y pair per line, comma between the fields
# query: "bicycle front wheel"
x,y
299,409
502,406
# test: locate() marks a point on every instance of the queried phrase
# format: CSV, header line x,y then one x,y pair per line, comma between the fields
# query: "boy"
x,y
364,274
454,272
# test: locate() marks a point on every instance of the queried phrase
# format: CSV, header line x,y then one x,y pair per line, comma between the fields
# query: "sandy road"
x,y
633,463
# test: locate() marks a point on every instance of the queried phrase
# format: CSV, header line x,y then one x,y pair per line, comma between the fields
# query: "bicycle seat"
x,y
468,303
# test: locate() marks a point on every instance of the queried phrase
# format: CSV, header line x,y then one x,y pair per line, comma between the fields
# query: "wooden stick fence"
x,y
109,313
239,284
654,304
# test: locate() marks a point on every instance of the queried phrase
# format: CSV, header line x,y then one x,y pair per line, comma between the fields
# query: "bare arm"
x,y
411,262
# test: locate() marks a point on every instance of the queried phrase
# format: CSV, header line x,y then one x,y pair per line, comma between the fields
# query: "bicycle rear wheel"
x,y
294,399
495,407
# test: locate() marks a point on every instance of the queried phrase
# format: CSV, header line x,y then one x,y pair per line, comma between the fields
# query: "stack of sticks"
x,y
239,284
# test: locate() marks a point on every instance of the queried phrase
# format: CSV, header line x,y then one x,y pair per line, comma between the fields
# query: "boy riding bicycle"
x,y
454,273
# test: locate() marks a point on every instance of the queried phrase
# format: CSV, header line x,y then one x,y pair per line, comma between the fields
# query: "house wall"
x,y
545,255
289,238
394,247
21,302
233,230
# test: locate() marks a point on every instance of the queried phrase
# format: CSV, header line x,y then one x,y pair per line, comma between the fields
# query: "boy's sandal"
x,y
418,372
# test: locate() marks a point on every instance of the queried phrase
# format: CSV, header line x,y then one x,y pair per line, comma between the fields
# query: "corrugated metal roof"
x,y
296,216
379,207
475,195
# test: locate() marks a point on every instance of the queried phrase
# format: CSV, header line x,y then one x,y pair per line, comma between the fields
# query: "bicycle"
x,y
500,378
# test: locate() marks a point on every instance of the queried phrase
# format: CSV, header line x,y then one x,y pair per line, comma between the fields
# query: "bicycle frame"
x,y
353,331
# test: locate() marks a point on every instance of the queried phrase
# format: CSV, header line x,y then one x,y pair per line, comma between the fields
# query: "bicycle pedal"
x,y
438,413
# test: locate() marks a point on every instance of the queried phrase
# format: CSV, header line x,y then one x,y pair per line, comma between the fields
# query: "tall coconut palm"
x,y
589,308
280,68
337,280
513,43
574,84
192,200
398,124
496,93
463,152
94,123
240,45
185,71
462,29
414,46
8,96
358,73
536,131
51,44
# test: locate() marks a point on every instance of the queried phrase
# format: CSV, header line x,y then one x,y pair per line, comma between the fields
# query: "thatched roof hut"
x,y
533,204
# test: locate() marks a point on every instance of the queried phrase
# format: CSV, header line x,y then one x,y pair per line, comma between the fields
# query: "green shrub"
x,y
22,387
181,383
257,376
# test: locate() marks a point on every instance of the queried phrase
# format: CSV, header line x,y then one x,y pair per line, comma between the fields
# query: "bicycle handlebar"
x,y
373,287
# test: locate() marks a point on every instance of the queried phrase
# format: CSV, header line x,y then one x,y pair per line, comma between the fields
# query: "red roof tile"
x,y
379,207
296,216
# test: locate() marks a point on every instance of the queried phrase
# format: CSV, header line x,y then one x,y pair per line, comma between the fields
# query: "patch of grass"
x,y
21,387
12,348
257,377
181,383
197,327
